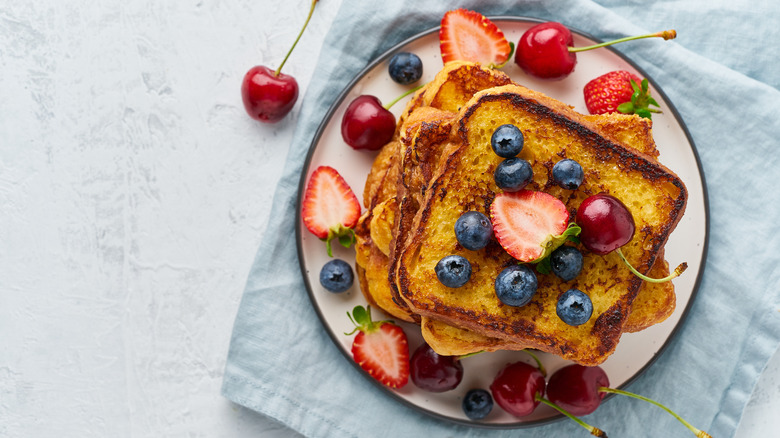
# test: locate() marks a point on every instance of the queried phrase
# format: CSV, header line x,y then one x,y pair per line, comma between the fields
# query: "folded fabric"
x,y
282,363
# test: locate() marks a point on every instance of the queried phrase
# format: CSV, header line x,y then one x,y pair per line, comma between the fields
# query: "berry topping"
x,y
433,372
453,271
513,174
576,388
507,141
619,91
336,276
473,230
517,388
405,68
516,285
568,174
606,223
477,404
546,50
529,224
367,124
380,348
543,51
566,262
269,95
574,307
469,36
330,208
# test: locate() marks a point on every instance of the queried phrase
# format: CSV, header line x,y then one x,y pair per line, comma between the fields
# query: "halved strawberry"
x,y
468,36
529,225
619,91
380,348
330,208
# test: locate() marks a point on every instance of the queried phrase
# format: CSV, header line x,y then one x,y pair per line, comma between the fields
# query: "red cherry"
x,y
546,50
268,97
433,372
517,388
367,124
576,388
543,51
606,223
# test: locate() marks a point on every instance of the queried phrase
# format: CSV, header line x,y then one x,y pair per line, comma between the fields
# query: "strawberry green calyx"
x,y
511,52
345,236
361,317
553,242
640,101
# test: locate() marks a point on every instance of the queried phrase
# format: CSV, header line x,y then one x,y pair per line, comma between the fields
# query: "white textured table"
x,y
134,192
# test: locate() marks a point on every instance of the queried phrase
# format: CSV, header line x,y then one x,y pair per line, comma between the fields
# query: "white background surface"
x,y
134,191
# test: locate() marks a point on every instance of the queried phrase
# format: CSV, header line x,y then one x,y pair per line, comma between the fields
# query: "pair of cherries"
x,y
573,390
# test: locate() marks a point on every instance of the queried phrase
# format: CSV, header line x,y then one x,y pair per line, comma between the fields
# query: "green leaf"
x,y
626,108
553,242
544,266
644,113
634,85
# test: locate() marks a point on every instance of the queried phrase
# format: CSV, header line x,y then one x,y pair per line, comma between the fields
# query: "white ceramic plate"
x,y
635,352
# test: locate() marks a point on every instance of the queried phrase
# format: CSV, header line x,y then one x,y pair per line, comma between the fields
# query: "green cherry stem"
x,y
538,362
595,431
697,432
394,101
677,271
311,11
666,35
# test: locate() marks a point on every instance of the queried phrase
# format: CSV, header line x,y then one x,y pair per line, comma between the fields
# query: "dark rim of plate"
x,y
335,337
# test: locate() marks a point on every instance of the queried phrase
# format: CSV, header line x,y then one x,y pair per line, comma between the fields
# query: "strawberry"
x,y
380,348
529,225
469,36
619,91
330,208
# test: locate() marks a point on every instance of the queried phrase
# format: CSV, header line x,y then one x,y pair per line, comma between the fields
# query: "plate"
x,y
636,351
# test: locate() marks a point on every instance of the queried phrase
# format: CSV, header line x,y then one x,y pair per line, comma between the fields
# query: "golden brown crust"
x,y
553,131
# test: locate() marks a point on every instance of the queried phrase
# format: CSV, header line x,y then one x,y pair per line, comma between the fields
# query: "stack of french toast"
x,y
440,165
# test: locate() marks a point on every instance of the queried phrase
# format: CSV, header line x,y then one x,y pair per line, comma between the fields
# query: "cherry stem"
x,y
538,362
595,431
666,35
394,101
311,11
677,271
697,432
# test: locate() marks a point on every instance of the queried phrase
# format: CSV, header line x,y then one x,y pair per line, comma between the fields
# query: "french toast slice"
x,y
655,196
431,109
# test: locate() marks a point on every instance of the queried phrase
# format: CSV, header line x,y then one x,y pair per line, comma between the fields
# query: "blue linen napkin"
x,y
720,74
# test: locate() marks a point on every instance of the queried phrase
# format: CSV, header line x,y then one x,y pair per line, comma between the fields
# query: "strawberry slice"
x,y
619,91
380,348
468,36
529,225
330,209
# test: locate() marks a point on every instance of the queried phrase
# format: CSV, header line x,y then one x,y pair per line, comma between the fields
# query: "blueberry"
x,y
516,285
568,174
453,271
336,276
405,68
473,230
513,174
477,404
566,262
507,141
574,307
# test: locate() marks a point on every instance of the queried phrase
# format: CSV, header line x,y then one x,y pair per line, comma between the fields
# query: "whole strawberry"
x,y
619,91
380,348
